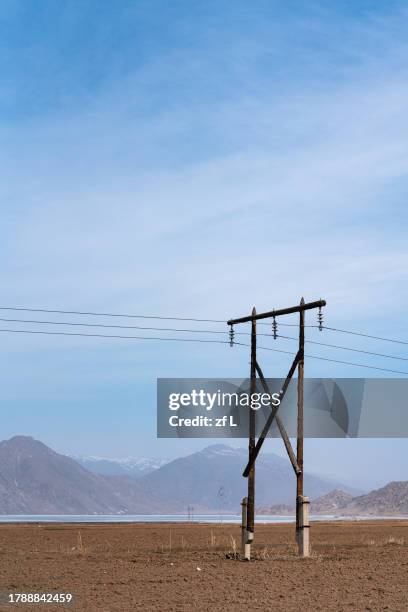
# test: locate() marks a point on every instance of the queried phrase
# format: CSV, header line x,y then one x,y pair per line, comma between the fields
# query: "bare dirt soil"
x,y
184,567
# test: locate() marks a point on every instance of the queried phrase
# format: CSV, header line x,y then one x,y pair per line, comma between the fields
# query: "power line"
x,y
128,316
194,319
50,333
360,365
200,340
110,314
353,333
344,348
342,331
105,326
194,331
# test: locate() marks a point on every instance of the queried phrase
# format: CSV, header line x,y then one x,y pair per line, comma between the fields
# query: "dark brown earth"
x,y
354,566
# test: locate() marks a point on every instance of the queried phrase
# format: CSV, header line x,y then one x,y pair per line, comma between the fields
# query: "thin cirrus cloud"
x,y
236,166
89,199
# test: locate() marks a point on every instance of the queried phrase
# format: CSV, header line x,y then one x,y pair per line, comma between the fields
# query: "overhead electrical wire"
x,y
351,363
51,333
105,326
110,314
363,335
343,348
194,319
195,331
157,338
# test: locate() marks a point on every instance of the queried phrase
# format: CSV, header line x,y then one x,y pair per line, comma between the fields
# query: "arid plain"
x,y
182,567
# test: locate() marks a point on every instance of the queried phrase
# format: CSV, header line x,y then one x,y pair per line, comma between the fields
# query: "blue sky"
x,y
195,159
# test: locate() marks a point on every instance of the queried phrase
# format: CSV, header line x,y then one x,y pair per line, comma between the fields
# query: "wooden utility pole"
x,y
299,445
254,447
251,444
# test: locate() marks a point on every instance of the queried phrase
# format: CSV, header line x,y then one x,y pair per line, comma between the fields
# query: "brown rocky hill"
x,y
331,503
391,499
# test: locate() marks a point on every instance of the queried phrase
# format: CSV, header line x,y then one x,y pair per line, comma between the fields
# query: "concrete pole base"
x,y
247,548
303,534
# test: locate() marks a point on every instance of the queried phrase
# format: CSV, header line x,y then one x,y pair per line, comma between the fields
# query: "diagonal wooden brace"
x,y
280,425
271,417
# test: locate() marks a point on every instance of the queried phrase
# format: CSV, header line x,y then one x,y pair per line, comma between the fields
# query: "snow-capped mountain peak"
x,y
130,466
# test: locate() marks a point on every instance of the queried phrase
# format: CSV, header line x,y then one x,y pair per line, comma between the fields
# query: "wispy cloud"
x,y
232,169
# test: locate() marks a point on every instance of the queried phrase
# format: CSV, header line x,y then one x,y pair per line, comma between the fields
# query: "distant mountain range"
x,y
36,480
391,500
212,479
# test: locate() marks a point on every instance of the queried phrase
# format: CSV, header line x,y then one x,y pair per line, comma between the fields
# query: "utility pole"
x,y
251,446
254,447
299,444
